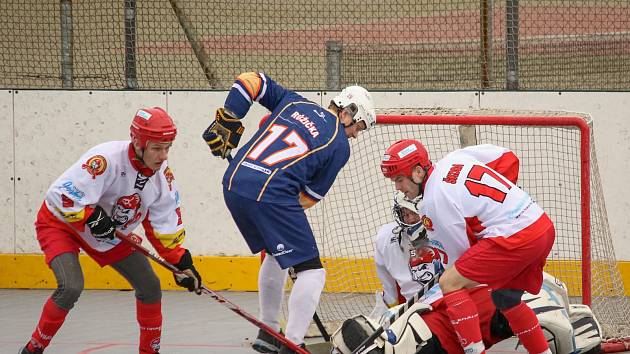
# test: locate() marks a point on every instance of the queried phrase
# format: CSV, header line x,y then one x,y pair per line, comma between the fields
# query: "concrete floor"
x,y
103,322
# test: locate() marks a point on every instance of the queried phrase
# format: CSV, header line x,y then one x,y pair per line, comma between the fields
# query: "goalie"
x,y
406,259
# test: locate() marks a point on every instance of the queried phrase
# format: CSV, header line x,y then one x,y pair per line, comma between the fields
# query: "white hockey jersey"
x,y
109,175
471,194
403,270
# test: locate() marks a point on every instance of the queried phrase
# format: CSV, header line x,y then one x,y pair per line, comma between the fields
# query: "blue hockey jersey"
x,y
300,148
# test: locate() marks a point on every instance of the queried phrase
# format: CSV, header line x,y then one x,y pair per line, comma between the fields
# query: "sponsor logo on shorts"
x,y
281,250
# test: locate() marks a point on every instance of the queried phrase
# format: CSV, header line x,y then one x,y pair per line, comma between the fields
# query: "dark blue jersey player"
x,y
288,165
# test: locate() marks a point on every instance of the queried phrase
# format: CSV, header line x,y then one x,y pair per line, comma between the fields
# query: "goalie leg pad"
x,y
410,331
586,329
352,333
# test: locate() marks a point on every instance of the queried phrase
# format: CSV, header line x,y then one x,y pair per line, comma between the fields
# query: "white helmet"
x,y
416,232
362,101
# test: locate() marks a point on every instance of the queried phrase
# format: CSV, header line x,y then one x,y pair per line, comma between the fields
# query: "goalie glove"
x,y
224,133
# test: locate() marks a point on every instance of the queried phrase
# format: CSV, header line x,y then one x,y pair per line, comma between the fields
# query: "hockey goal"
x,y
558,168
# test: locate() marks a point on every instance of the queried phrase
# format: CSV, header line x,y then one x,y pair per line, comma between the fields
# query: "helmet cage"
x,y
416,232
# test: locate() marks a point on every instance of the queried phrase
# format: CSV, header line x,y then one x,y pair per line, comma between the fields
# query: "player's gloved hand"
x,y
193,280
223,134
101,225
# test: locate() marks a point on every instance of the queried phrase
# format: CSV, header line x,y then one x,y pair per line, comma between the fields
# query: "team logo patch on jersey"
x,y
126,210
95,165
168,174
426,262
427,222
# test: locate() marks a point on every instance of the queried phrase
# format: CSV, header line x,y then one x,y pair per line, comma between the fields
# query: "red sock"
x,y
525,326
150,320
50,321
464,317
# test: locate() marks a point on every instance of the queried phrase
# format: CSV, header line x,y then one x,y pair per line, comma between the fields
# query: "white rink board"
x,y
53,128
7,221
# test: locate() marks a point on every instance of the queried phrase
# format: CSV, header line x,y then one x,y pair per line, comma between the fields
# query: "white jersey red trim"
x,y
108,175
466,199
403,270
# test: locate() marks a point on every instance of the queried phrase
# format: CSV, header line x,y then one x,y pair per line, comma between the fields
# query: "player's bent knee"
x,y
314,263
149,290
505,299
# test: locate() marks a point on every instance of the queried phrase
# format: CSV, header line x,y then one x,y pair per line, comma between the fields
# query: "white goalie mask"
x,y
407,215
358,102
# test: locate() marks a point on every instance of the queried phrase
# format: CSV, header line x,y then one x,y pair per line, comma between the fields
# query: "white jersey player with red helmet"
x,y
116,185
470,202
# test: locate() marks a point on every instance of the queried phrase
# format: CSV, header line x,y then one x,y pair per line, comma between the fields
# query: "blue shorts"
x,y
281,230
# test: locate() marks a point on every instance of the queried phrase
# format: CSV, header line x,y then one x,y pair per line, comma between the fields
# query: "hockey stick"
x,y
227,303
367,344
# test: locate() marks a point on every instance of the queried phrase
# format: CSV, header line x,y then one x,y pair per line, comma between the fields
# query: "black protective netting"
x,y
393,44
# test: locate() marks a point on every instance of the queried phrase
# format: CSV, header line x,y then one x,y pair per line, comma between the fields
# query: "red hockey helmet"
x,y
152,124
402,156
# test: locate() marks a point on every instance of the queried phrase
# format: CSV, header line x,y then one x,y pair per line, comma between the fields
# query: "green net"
x,y
316,45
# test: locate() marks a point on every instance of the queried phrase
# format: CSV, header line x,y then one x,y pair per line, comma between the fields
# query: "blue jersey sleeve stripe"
x,y
263,90
242,91
312,193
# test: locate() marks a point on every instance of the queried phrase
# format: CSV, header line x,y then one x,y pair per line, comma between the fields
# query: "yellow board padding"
x,y
29,271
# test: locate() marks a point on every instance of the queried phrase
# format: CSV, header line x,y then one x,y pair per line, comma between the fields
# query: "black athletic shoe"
x,y
266,343
24,350
286,350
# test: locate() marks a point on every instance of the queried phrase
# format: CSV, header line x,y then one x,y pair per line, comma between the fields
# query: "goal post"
x,y
558,168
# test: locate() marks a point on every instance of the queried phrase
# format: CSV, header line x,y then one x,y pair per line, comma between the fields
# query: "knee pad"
x,y
314,263
505,299
149,290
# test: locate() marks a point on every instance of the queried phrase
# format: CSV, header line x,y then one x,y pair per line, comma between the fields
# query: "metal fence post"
x,y
131,78
334,51
511,48
65,15
486,42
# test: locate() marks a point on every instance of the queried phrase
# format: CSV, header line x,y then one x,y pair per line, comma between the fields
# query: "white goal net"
x,y
558,168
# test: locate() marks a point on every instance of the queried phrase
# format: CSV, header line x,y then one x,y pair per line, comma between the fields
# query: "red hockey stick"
x,y
227,303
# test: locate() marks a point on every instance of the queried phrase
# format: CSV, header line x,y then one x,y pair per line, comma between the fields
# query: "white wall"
x,y
53,128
